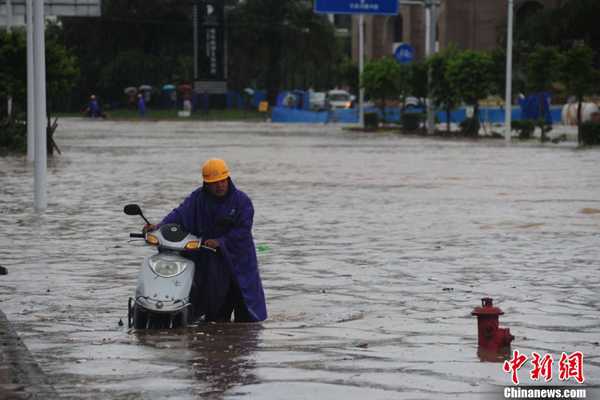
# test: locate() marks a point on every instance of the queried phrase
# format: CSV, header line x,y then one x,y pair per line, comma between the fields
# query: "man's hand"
x,y
212,243
149,227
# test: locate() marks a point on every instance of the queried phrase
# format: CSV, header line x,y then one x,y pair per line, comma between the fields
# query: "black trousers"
x,y
234,303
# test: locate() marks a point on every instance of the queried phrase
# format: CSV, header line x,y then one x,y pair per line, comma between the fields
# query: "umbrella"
x,y
130,89
169,87
145,87
185,87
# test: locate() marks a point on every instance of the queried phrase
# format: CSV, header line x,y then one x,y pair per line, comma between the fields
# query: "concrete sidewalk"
x,y
20,375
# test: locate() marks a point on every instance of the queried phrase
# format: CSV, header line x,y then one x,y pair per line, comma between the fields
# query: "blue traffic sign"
x,y
404,53
373,7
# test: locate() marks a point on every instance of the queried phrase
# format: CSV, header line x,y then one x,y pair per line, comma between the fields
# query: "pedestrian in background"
x,y
187,105
147,98
131,101
174,99
194,101
141,105
205,103
327,109
94,106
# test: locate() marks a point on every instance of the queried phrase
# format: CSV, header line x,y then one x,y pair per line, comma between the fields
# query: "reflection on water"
x,y
495,356
220,355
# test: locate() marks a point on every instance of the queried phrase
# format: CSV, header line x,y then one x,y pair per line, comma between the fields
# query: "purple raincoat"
x,y
236,259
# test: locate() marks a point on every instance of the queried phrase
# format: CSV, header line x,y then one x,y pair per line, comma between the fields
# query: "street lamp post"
x,y
40,155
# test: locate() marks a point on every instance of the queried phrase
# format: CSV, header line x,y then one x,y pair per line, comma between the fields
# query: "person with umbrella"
x,y
147,94
130,92
187,105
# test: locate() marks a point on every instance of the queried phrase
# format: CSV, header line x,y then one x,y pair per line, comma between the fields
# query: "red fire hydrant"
x,y
491,336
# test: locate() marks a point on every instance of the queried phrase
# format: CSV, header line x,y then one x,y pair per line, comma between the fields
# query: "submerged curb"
x,y
20,375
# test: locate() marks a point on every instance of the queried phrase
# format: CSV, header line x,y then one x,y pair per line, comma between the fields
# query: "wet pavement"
x,y
382,246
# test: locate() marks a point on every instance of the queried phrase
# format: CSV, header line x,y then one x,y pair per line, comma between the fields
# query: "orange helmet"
x,y
214,170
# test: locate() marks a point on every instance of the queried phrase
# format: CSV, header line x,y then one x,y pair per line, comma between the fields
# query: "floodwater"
x,y
382,246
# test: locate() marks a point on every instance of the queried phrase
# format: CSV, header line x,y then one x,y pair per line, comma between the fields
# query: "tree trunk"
x,y
543,110
273,67
49,143
448,115
580,100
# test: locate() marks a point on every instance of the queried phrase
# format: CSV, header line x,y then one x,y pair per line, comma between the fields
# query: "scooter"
x,y
162,296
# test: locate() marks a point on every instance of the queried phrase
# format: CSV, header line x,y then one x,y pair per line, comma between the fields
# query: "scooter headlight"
x,y
166,268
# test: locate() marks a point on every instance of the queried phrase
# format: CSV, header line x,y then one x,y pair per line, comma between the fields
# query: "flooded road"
x,y
382,247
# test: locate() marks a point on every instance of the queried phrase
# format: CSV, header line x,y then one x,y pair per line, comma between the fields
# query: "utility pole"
x,y
430,38
9,14
30,78
508,96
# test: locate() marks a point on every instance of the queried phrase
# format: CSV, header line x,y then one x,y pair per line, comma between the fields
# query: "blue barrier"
x,y
285,114
494,115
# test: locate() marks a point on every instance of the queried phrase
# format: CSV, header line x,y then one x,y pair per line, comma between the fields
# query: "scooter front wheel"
x,y
184,317
140,318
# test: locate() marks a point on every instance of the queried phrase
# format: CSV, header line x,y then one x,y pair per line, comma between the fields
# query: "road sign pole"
x,y
361,56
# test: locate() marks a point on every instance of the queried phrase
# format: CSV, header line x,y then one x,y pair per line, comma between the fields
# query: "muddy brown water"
x,y
382,246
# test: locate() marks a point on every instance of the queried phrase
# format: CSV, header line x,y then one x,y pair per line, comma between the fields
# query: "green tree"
x,y
129,68
567,23
349,75
384,80
539,69
13,72
279,40
418,78
575,70
539,73
61,73
445,96
156,28
469,76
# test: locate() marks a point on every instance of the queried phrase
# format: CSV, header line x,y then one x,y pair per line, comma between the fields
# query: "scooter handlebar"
x,y
137,235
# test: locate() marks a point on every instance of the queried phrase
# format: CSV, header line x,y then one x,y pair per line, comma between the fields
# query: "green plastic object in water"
x,y
264,248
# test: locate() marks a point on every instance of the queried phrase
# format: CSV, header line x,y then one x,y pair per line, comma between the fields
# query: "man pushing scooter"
x,y
230,281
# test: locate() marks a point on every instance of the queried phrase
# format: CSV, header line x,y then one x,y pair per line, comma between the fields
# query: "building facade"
x,y
470,24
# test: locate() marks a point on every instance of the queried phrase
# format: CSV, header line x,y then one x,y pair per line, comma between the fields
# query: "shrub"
x,y
544,128
469,127
411,121
371,120
13,135
524,128
589,133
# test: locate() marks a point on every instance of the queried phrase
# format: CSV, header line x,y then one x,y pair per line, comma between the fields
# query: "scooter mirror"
x,y
132,209
225,222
